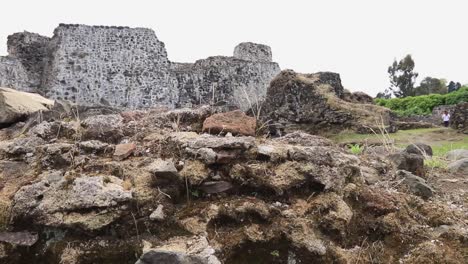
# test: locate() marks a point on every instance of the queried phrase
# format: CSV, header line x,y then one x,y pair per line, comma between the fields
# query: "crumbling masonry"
x,y
129,67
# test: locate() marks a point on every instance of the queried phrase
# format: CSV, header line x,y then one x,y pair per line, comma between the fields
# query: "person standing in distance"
x,y
446,118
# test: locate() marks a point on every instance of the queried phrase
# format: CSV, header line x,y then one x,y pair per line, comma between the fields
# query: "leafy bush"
x,y
423,105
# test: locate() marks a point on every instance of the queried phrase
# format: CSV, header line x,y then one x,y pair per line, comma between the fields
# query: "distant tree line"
x,y
403,78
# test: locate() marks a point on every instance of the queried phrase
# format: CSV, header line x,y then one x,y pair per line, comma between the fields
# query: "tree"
x,y
452,87
431,86
402,77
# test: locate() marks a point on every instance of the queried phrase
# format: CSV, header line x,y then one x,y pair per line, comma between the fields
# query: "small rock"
x,y
235,122
158,214
94,146
123,151
163,169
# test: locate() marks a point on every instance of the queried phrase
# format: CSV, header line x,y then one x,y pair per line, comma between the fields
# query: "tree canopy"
x,y
402,77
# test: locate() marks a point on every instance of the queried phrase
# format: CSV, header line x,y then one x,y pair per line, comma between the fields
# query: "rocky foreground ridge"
x,y
146,161
94,184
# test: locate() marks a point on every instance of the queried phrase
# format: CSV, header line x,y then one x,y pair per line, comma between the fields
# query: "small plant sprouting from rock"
x,y
356,149
275,253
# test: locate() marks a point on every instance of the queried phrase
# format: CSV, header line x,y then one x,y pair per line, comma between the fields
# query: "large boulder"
x,y
314,103
459,119
15,105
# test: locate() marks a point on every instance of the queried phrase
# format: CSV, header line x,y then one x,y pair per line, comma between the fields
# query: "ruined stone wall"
x,y
31,50
129,67
110,65
223,80
13,74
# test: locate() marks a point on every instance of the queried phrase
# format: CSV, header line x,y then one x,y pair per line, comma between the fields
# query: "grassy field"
x,y
442,140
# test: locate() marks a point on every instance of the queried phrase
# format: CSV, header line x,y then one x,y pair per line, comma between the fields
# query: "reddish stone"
x,y
236,122
122,151
129,116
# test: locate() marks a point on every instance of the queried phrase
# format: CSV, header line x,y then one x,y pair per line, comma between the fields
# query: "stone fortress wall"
x,y
129,67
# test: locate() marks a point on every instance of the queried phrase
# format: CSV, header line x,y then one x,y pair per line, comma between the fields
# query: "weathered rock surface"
x,y
314,103
106,128
413,163
235,122
457,154
15,105
459,166
416,184
19,238
253,52
357,97
129,67
63,202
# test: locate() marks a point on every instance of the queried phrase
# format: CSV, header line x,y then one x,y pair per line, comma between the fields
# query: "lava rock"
x,y
413,163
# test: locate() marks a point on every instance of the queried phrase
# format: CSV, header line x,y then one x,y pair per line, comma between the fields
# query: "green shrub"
x,y
423,105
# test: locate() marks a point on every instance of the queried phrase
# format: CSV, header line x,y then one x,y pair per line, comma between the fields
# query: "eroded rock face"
x,y
314,103
62,202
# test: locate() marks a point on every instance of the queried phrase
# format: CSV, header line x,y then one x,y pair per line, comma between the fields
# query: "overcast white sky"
x,y
358,39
